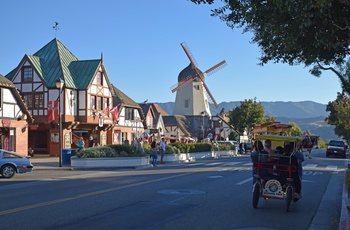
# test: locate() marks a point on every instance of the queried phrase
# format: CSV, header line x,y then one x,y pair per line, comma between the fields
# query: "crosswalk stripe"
x,y
232,163
332,167
215,163
194,164
310,166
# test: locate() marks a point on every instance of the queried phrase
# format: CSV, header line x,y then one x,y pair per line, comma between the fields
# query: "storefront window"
x,y
7,139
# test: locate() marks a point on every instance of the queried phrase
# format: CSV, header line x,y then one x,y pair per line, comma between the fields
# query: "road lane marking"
x,y
98,192
244,181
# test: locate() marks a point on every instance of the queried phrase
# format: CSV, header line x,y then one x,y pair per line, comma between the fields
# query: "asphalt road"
x,y
207,194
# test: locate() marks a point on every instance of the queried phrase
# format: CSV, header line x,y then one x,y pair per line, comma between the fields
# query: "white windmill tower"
x,y
192,94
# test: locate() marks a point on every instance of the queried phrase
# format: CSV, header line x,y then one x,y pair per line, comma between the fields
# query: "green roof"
x,y
54,61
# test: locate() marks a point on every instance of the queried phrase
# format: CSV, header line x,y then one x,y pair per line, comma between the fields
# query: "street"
x,y
205,194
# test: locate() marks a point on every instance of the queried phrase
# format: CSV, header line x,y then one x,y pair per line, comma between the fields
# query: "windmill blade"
x,y
179,85
189,54
216,68
210,95
200,75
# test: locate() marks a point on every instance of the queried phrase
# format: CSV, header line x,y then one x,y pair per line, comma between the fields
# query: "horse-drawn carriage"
x,y
277,173
308,142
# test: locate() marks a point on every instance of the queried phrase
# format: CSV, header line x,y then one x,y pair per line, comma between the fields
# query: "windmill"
x,y
192,94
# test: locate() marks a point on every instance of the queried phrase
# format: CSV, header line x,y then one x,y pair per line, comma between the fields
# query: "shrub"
x,y
183,148
199,147
192,147
214,148
225,147
97,152
169,149
147,148
122,148
321,143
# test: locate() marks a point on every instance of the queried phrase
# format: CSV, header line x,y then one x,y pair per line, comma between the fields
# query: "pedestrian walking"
x,y
162,150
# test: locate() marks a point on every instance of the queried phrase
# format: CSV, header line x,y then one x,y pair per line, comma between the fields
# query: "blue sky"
x,y
140,41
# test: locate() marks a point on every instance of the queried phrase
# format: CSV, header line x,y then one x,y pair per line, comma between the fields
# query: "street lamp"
x,y
59,86
220,122
203,114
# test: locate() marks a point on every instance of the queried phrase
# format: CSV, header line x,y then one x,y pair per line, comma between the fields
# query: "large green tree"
x,y
310,32
244,117
340,115
295,130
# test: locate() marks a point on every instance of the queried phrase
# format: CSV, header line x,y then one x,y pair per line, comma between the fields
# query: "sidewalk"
x,y
45,162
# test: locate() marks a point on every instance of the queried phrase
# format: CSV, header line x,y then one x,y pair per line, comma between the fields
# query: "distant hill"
x,y
307,114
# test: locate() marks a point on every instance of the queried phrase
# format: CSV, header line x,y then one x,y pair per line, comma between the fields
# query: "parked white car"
x,y
12,163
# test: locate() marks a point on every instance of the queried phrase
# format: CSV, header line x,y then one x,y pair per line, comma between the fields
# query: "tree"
x,y
244,117
314,32
295,130
340,115
268,118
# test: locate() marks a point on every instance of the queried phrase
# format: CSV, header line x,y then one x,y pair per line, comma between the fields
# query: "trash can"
x,y
66,153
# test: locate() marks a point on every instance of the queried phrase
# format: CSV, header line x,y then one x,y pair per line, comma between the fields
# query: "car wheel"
x,y
8,171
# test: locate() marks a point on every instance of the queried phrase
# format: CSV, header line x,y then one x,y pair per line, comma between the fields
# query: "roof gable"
x,y
5,83
147,108
54,61
121,98
159,109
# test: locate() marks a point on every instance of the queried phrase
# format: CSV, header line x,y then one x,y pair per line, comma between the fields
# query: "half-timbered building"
x,y
86,97
129,125
15,119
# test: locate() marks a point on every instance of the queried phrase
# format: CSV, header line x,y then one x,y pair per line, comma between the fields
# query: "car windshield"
x,y
336,143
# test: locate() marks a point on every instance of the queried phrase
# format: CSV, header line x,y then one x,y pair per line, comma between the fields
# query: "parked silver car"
x,y
12,163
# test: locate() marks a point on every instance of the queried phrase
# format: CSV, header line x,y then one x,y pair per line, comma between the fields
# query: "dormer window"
x,y
99,78
27,74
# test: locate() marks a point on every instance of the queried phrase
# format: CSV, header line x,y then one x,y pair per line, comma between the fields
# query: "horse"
x,y
308,142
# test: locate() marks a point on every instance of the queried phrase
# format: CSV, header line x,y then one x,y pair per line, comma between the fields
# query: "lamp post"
x,y
203,114
59,86
220,122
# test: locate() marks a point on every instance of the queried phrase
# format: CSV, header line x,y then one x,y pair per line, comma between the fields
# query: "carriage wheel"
x,y
256,195
289,196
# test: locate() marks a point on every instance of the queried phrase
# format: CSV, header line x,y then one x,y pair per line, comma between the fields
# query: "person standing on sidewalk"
x,y
81,144
162,150
91,142
154,152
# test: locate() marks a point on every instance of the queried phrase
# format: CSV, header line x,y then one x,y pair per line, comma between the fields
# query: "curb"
x,y
345,211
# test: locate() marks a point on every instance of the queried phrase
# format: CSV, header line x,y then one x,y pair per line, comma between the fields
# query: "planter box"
x,y
109,162
138,161
201,155
229,153
175,157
